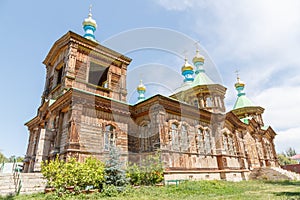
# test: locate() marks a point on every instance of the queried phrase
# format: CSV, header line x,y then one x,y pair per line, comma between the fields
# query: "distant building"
x,y
84,112
296,157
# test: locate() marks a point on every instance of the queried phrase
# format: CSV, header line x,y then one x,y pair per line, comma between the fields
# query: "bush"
x,y
62,174
52,172
149,172
110,190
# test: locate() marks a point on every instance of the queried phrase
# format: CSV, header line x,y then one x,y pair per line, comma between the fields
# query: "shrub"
x,y
110,190
149,172
52,172
91,173
62,174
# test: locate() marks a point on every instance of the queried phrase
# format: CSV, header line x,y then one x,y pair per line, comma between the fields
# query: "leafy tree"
x,y
284,160
114,172
3,158
18,159
290,152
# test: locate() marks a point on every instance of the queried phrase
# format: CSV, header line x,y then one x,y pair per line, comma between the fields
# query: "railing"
x,y
17,178
2,167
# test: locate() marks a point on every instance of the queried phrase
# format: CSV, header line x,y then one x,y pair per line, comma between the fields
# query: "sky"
x,y
259,38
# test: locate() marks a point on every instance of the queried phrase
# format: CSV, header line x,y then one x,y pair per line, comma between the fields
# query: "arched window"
x,y
200,140
207,144
230,145
174,134
225,143
184,138
145,142
109,137
268,149
209,102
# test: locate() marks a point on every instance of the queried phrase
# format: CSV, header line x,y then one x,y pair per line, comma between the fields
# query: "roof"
x,y
202,79
296,157
242,101
91,45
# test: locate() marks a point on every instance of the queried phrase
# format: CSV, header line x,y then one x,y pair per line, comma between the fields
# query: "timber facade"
x,y
84,113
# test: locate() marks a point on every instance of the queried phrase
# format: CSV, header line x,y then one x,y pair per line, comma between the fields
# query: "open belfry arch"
x,y
84,112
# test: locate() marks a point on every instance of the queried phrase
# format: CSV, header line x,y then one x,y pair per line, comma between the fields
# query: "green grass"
x,y
253,190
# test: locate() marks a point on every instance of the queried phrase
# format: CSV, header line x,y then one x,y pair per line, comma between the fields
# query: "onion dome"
x,y
198,61
141,86
201,77
187,71
239,86
187,66
141,89
242,101
89,26
198,58
239,83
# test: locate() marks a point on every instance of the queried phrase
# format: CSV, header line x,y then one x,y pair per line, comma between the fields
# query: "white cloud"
x,y
282,106
288,138
245,31
261,38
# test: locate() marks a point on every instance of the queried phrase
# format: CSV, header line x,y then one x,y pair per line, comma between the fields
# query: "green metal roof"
x,y
202,79
242,101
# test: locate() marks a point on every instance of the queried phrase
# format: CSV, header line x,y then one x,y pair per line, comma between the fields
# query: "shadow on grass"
x,y
288,194
8,197
285,182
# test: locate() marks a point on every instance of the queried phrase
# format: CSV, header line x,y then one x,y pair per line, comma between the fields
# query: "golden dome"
x,y
141,87
187,66
198,57
239,83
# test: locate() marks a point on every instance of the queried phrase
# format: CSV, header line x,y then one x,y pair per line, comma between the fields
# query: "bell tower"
x,y
82,63
244,107
200,91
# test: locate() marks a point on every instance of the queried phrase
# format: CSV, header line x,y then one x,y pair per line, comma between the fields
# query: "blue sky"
x,y
260,38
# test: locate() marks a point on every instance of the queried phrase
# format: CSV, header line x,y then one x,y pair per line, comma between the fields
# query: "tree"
x,y
3,158
114,174
13,157
290,152
284,160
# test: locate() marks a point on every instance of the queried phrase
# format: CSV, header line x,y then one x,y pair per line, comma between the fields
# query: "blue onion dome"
x,y
89,26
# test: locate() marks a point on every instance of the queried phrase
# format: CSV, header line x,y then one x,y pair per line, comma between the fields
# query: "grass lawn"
x,y
195,190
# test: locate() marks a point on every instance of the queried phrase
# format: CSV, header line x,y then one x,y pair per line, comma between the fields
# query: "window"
x,y
59,73
269,152
98,75
209,102
196,104
228,144
145,144
109,137
231,145
175,139
184,139
225,143
200,141
207,144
